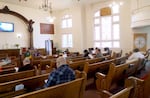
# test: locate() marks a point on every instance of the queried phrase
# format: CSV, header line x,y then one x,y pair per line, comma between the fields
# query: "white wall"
x,y
83,26
140,13
141,18
21,28
77,29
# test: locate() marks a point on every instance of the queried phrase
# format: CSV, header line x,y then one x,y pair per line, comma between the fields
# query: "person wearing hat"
x,y
26,65
62,74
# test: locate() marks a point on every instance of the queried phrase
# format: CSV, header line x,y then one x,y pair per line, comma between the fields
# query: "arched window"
x,y
107,28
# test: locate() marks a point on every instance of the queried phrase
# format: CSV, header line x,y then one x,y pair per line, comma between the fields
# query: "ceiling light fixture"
x,y
47,6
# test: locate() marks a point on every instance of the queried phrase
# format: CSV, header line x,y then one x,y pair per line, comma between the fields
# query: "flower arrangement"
x,y
17,45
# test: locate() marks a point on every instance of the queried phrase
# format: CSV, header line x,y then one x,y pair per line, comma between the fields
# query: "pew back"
x,y
114,75
80,65
30,84
6,71
72,89
17,75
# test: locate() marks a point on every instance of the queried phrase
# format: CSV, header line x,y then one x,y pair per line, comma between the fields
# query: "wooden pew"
x,y
72,89
142,87
46,66
123,93
3,56
7,71
44,62
74,59
17,75
8,66
114,76
80,65
104,65
129,89
91,66
138,90
7,89
43,65
96,64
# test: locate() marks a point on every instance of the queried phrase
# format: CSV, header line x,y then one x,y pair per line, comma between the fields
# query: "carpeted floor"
x,y
91,91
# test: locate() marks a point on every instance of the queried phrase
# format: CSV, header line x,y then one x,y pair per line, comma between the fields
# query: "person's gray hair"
x,y
60,61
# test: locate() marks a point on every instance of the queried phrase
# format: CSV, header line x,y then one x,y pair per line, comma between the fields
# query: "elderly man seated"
x,y
62,74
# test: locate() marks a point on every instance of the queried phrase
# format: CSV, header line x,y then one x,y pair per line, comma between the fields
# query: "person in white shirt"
x,y
136,55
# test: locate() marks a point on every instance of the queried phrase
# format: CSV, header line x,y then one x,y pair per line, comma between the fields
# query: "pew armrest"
x,y
100,81
137,79
124,93
100,76
105,94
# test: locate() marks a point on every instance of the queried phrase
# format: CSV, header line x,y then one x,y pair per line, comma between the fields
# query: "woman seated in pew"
x,y
62,74
26,65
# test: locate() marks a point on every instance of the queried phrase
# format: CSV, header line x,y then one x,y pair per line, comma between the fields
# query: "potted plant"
x,y
17,45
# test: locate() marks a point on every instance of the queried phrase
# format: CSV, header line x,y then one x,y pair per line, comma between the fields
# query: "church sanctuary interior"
x,y
102,48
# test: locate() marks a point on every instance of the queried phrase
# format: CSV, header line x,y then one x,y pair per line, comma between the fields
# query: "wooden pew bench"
x,y
76,59
102,66
94,67
114,78
9,66
17,75
44,65
72,89
7,71
80,65
7,89
142,87
129,89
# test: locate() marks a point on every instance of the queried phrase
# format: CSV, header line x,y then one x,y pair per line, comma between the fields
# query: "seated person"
x,y
98,53
36,53
5,61
26,65
85,53
27,54
107,50
62,74
136,55
91,50
67,51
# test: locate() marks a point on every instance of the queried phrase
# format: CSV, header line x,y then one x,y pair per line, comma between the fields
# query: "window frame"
x,y
100,41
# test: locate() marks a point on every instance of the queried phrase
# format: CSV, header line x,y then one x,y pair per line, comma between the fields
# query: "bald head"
x,y
60,61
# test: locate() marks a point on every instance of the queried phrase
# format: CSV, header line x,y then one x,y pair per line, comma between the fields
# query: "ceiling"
x,y
56,4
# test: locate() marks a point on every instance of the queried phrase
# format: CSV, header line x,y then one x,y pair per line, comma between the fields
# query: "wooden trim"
x,y
29,23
